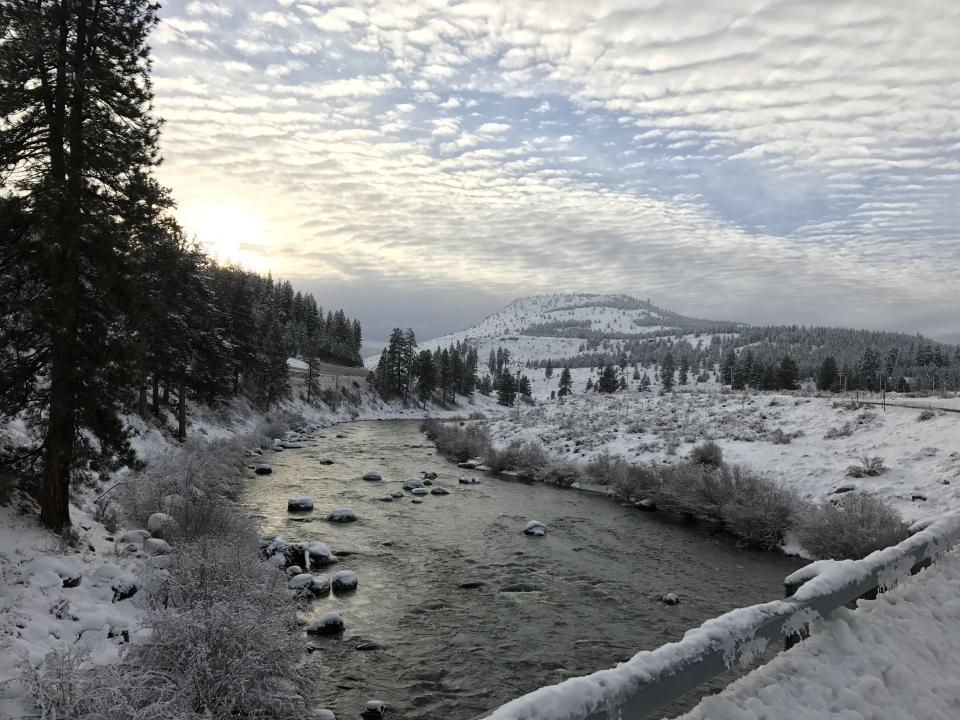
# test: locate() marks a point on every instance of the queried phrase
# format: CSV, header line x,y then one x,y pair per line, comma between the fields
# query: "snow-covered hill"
x,y
564,324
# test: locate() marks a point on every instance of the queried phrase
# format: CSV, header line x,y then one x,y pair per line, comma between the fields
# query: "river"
x,y
538,609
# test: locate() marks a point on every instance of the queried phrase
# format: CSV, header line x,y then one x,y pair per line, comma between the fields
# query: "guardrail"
x,y
651,679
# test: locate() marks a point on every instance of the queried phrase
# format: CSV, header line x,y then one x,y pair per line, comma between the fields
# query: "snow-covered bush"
x,y
461,443
838,431
868,467
221,623
527,457
707,453
927,414
850,526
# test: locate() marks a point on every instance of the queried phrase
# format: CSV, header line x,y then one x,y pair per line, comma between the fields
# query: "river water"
x,y
581,599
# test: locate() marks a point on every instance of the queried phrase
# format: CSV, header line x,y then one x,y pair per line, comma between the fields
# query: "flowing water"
x,y
536,610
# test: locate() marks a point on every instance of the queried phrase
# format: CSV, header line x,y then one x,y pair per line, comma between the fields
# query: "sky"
x,y
422,163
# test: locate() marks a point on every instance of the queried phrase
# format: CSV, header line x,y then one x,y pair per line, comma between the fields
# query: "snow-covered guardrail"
x,y
651,679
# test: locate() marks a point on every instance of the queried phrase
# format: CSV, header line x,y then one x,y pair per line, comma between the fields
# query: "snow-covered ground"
x,y
804,441
894,657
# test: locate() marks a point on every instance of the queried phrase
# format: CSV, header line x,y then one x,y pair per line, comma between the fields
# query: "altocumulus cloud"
x,y
759,160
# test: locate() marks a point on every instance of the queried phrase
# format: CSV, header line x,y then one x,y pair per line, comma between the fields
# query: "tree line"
x,y
106,306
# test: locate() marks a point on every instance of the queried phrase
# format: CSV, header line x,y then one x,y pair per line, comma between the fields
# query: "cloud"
x,y
797,160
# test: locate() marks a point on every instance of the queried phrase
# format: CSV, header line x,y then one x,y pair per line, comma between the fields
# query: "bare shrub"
x,y
606,469
868,467
707,453
927,414
560,474
850,526
757,510
461,443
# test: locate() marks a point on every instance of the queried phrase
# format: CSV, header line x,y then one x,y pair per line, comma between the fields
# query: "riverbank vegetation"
x,y
218,638
750,507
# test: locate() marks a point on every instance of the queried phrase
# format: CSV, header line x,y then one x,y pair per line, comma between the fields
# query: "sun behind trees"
x,y
105,306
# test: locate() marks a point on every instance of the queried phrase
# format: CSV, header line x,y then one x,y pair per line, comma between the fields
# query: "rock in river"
x,y
469,480
327,624
411,484
263,470
535,527
345,580
302,503
372,476
419,491
343,515
439,491
670,599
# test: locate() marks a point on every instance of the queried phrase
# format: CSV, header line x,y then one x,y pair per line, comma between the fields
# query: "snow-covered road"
x,y
893,658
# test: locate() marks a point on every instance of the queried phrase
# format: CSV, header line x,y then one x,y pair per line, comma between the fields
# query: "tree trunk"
x,y
166,394
142,399
156,394
182,411
61,427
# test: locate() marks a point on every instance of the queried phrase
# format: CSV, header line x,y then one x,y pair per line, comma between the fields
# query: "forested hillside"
x,y
106,307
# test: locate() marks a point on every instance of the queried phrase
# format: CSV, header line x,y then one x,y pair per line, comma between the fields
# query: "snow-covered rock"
x,y
419,491
341,435
372,476
439,491
535,527
133,536
293,570
301,503
321,714
342,515
670,599
156,546
386,498
428,475
469,464
411,484
327,624
396,494
417,500
374,710
469,479
162,525
345,580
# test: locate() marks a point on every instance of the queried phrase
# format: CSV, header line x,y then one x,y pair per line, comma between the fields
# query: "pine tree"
x,y
827,375
608,380
666,372
75,113
566,383
787,374
548,370
523,386
683,376
506,389
426,377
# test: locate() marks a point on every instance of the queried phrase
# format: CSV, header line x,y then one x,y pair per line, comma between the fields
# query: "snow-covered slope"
x,y
560,325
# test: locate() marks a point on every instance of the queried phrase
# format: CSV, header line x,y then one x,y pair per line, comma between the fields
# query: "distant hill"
x,y
568,325
588,330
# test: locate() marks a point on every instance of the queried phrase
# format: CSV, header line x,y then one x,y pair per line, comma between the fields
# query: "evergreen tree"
x,y
787,374
426,377
666,372
548,370
523,386
827,375
608,380
566,383
506,389
683,376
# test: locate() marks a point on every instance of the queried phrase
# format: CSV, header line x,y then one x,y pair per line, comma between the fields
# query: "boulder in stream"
x,y
372,476
419,491
439,491
469,480
535,527
343,515
263,469
670,599
411,484
329,623
301,503
345,580
374,710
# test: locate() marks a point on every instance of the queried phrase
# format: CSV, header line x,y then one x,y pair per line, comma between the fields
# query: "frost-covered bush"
x,y
221,623
850,526
707,453
460,443
527,457
756,509
190,485
779,437
868,467
835,432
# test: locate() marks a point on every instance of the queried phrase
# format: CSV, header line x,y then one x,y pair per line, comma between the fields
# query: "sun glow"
x,y
231,231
